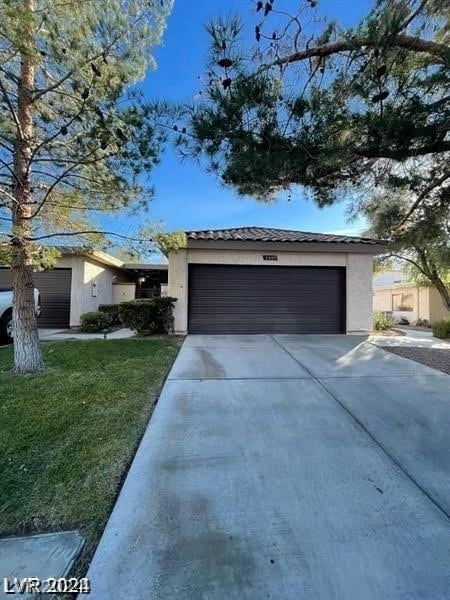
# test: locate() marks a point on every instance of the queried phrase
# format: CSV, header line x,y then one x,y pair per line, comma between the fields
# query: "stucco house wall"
x,y
92,284
427,303
437,308
358,269
123,292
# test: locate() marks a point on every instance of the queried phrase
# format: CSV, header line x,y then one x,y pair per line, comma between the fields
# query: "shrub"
x,y
383,321
148,316
112,313
441,329
94,322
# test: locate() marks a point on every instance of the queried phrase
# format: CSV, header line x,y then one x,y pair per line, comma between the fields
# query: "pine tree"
x,y
72,142
324,107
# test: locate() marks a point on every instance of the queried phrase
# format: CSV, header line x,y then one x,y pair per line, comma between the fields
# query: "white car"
x,y
6,304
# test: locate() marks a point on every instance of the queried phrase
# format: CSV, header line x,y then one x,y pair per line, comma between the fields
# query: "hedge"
x,y
94,322
112,313
148,316
441,329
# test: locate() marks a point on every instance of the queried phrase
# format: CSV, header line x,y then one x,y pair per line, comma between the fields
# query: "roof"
x,y
146,266
98,255
391,278
269,234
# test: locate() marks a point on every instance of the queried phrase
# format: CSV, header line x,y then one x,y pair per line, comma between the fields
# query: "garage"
x,y
54,287
265,280
266,299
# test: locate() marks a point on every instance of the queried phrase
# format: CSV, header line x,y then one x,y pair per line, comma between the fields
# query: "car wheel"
x,y
6,329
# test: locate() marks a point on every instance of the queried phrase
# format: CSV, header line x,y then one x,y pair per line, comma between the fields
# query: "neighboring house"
x,y
263,280
84,279
394,292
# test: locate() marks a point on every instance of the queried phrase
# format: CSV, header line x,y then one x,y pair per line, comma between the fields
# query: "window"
x,y
402,302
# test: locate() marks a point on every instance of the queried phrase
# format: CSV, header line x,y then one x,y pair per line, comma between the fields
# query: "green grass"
x,y
67,435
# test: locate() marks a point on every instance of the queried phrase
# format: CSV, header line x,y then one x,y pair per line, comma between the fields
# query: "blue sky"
x,y
187,197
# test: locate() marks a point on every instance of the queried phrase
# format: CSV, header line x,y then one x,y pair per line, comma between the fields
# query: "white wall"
x,y
123,292
85,273
358,267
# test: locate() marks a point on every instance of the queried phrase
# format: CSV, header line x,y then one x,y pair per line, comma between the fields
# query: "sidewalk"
x,y
412,338
56,335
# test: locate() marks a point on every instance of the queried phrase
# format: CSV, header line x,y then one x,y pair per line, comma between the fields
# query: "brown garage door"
x,y
54,287
266,299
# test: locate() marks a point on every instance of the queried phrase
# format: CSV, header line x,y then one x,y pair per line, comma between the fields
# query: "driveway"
x,y
286,467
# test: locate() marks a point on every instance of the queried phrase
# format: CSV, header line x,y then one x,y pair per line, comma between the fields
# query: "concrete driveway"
x,y
286,467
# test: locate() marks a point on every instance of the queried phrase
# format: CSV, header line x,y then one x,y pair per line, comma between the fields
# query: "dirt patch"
x,y
388,332
431,357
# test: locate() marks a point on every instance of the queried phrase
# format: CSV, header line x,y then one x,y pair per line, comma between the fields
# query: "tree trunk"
x,y
430,271
27,353
443,291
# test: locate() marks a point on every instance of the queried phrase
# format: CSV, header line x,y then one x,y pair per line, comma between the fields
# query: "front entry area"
x,y
266,299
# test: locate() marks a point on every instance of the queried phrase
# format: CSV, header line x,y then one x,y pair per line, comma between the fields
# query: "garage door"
x,y
54,287
266,299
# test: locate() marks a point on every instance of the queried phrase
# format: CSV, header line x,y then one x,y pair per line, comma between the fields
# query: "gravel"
x,y
431,357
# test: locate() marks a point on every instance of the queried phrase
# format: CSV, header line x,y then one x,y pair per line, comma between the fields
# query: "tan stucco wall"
x,y
382,300
178,288
437,308
85,273
359,278
426,303
359,293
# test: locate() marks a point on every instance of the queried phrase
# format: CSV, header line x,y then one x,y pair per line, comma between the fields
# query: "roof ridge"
x,y
281,229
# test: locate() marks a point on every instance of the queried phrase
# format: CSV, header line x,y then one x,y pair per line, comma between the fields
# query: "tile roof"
x,y
268,234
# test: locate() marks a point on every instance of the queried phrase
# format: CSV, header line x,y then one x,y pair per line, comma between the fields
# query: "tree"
x,y
321,106
72,144
416,224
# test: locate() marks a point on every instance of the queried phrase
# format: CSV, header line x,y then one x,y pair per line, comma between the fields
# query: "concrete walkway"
x,y
55,335
286,467
412,338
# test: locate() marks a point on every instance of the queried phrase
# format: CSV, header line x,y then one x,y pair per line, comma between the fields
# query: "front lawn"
x,y
67,435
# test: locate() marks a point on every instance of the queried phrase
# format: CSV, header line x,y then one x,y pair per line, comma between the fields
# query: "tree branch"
x,y
421,197
74,233
11,109
407,42
439,146
410,260
413,15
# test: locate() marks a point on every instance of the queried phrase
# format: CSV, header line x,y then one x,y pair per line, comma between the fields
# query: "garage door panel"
x,y
54,287
266,299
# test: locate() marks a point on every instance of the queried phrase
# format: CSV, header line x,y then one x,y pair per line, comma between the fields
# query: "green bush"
x,y
148,316
112,313
441,329
94,322
383,321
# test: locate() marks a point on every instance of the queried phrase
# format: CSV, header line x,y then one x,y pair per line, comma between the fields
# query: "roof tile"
x,y
269,234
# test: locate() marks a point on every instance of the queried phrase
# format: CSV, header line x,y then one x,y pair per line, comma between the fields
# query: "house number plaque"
x,y
270,257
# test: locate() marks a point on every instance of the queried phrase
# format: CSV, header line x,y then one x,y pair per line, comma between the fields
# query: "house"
x,y
393,291
83,279
264,280
242,280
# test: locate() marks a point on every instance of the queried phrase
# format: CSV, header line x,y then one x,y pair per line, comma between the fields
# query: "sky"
x,y
187,197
